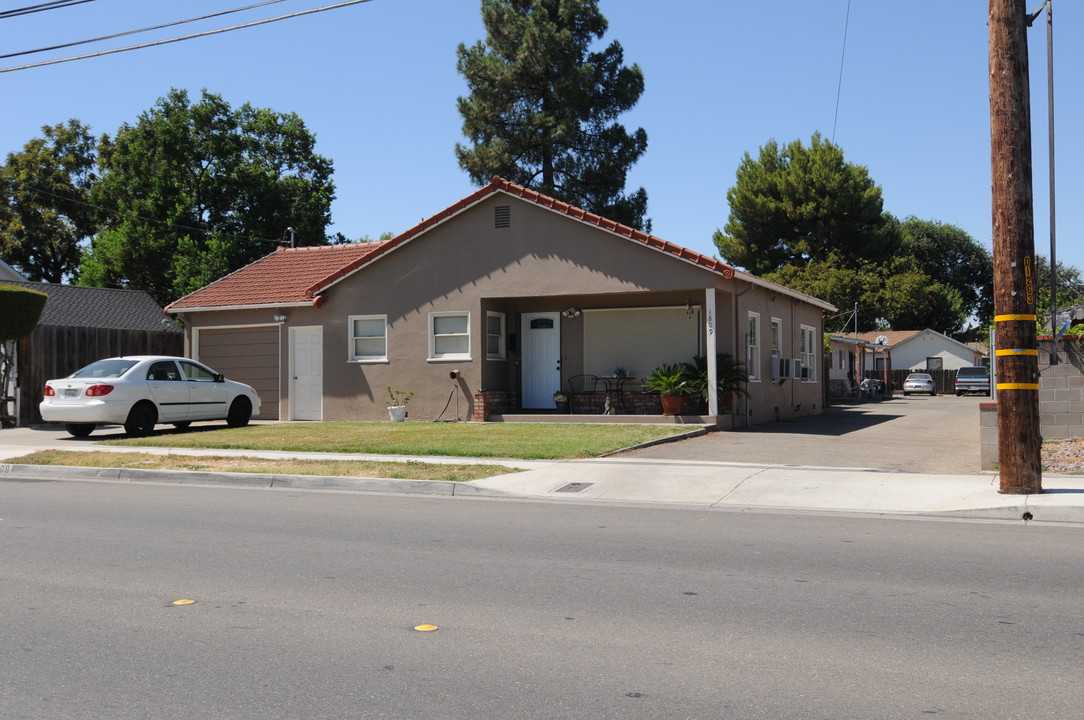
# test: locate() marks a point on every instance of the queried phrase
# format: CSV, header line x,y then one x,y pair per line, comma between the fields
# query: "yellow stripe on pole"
x,y
1011,318
1016,351
1018,386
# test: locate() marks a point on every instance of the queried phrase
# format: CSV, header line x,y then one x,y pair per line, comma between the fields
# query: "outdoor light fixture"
x,y
572,312
280,318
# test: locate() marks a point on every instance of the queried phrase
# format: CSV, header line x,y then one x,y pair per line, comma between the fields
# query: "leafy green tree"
x,y
1070,289
44,212
894,294
798,204
909,299
949,255
542,107
195,190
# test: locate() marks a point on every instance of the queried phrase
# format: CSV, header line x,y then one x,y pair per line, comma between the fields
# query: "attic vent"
x,y
502,216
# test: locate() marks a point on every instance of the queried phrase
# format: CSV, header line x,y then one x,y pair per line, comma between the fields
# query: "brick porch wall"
x,y
493,401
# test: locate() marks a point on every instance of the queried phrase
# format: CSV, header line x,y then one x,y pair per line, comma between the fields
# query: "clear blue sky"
x,y
377,84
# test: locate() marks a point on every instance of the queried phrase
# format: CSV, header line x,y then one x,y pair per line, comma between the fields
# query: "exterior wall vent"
x,y
502,216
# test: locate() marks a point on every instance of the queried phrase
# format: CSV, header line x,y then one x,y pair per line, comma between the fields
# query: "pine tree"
x,y
542,107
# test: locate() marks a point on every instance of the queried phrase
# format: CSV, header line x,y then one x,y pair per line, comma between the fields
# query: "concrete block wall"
x,y
1061,390
1061,400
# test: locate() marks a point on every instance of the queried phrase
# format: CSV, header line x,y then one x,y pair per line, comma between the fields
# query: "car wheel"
x,y
141,420
240,412
79,429
182,425
906,394
933,393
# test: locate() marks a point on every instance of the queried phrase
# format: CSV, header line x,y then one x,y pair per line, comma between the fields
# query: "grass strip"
x,y
411,470
527,441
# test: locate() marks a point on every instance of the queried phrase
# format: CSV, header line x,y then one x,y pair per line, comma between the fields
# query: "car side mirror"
x,y
219,377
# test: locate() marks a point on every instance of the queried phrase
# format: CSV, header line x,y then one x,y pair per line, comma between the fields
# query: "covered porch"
x,y
597,350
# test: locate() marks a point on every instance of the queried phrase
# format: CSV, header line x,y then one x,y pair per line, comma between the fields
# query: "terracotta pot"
x,y
671,404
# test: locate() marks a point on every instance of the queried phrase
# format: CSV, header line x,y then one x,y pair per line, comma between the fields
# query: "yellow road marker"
x,y
184,601
426,628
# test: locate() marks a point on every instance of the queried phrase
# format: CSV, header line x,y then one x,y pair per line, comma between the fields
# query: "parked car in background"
x,y
973,379
139,392
919,383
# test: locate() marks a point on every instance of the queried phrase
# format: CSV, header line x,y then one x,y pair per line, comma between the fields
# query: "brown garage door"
x,y
249,355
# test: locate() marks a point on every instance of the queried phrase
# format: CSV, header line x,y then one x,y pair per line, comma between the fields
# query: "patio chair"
x,y
580,385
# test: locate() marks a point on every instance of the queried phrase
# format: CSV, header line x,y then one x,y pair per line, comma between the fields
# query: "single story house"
x,y
925,350
496,302
851,358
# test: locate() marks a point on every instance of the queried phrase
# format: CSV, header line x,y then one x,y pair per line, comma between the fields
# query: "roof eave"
x,y
262,306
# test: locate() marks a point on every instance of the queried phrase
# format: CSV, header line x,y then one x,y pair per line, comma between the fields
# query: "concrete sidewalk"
x,y
636,480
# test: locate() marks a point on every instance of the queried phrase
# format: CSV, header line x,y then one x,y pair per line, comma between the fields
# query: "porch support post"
x,y
709,348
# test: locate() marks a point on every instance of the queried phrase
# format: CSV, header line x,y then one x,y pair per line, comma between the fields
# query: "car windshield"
x,y
920,376
112,368
972,372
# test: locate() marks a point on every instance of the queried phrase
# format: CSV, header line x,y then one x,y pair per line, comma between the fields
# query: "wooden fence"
x,y
54,351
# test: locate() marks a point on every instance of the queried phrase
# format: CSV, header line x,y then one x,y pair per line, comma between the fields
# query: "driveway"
x,y
912,434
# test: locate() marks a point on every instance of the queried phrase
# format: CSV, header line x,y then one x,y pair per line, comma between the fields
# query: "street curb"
x,y
298,482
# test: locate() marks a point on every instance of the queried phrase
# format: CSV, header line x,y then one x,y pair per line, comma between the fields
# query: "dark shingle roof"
x,y
72,306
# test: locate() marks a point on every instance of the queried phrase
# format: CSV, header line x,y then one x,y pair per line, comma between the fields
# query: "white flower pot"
x,y
397,413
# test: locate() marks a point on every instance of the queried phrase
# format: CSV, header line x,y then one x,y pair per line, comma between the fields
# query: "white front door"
x,y
541,359
307,373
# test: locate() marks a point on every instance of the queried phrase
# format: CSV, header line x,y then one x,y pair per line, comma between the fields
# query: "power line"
x,y
42,7
186,37
842,57
134,32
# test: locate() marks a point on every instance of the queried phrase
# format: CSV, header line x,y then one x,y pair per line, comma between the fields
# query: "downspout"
x,y
710,350
743,400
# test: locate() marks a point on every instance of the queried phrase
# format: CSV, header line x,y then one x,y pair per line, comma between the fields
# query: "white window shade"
x,y
639,339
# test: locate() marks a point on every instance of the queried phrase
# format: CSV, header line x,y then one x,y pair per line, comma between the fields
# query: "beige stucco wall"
x,y
544,262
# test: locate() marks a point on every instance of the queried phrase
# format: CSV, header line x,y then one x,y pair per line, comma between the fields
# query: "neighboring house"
x,y
925,349
82,324
851,359
8,273
495,302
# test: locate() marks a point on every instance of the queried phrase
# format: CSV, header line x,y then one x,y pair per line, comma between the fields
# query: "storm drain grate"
x,y
574,487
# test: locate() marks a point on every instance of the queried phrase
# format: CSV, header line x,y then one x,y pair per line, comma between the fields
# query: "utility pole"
x,y
1016,348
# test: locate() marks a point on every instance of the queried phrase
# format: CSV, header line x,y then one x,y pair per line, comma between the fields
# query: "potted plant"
x,y
731,378
671,382
397,402
560,399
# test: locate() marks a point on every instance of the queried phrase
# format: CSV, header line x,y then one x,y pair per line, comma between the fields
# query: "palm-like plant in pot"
x,y
731,378
671,382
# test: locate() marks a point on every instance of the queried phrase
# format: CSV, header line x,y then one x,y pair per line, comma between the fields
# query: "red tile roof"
x,y
296,276
288,276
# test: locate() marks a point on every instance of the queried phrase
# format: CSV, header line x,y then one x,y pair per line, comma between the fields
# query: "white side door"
x,y
541,335
306,373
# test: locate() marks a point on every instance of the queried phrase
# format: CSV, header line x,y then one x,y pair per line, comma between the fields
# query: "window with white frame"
x,y
809,351
368,338
752,346
495,336
777,334
449,335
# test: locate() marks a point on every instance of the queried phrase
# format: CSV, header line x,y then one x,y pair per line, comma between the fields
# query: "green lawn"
x,y
528,441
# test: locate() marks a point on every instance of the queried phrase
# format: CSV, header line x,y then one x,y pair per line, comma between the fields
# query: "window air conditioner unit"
x,y
787,369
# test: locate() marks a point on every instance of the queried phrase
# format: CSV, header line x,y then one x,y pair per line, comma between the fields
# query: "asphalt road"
x,y
306,604
913,434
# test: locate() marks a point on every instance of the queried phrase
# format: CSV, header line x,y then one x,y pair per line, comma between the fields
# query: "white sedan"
x,y
140,391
